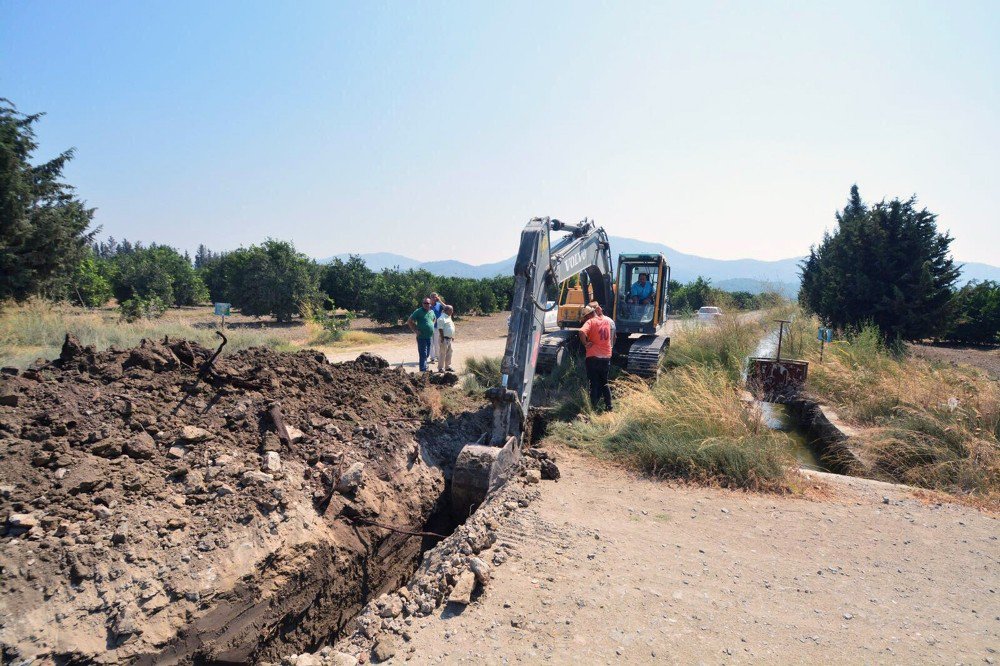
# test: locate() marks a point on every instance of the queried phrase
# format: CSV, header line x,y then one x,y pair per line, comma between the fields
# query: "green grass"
x,y
690,424
723,346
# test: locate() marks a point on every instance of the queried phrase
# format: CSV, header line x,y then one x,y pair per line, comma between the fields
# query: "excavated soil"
x,y
153,513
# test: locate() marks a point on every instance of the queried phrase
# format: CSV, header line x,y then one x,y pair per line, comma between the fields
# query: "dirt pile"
x,y
150,512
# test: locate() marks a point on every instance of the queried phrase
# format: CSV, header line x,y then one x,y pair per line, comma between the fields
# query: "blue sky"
x,y
436,130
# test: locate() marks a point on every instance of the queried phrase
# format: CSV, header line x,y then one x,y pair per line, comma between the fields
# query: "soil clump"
x,y
155,507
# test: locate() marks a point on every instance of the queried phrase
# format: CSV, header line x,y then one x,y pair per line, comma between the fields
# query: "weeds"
x,y
690,424
724,345
928,424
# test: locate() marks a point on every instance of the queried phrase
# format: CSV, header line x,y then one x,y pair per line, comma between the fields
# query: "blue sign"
x,y
222,309
824,334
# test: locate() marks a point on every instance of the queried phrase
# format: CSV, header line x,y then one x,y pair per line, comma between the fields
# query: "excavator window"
x,y
637,295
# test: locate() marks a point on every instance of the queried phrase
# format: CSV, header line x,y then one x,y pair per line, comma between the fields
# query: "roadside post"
x,y
824,335
222,310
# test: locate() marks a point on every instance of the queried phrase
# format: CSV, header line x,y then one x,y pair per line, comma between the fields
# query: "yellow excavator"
x,y
638,305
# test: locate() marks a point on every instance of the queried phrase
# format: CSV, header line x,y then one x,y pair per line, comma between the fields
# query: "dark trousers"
x,y
423,351
597,374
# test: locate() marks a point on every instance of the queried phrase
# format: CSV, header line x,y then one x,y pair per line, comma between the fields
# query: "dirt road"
x,y
615,569
401,350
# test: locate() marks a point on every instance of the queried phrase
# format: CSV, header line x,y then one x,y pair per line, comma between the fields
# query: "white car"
x,y
709,313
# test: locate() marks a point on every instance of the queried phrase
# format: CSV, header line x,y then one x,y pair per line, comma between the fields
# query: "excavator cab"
x,y
641,299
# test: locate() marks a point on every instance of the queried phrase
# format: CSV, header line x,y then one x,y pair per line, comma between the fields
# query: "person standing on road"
x,y
437,306
445,333
595,335
421,322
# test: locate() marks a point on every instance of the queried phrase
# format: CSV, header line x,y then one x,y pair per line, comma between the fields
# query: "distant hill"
x,y
752,275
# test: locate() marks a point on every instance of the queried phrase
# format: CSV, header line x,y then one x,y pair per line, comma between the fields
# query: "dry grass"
x,y
724,345
36,329
927,424
690,424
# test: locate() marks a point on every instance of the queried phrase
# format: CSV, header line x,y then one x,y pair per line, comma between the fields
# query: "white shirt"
x,y
445,324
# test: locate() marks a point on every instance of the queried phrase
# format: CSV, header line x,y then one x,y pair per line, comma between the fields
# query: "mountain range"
x,y
752,275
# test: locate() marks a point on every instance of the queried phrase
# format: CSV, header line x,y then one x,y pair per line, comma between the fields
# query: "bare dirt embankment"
x,y
147,516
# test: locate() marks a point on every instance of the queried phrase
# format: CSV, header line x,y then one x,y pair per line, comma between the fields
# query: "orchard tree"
x,y
90,285
157,271
345,282
271,279
885,264
43,226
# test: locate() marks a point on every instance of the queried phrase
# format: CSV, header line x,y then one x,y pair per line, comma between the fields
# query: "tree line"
x,y
886,264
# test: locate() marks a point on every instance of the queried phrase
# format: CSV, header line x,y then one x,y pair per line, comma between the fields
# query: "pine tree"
x,y
43,226
885,264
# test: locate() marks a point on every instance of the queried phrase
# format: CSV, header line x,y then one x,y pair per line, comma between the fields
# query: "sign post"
x,y
223,310
824,335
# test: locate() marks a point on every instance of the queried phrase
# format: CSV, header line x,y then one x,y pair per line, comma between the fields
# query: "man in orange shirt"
x,y
597,337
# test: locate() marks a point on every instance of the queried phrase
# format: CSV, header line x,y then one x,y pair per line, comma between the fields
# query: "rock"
x,y
294,434
371,361
192,434
384,650
121,534
481,570
550,472
8,398
308,660
257,477
392,608
109,448
272,462
6,491
140,447
462,592
343,659
22,521
533,476
176,523
175,452
224,490
350,480
61,472
126,622
103,512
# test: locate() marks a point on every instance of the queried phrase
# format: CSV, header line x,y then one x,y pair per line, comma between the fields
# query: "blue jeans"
x,y
424,350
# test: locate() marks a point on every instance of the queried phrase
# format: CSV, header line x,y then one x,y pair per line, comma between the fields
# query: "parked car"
x,y
709,313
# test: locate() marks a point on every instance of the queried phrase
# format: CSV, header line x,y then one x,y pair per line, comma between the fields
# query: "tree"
x,y
157,271
977,313
346,281
43,226
271,279
886,264
395,294
90,285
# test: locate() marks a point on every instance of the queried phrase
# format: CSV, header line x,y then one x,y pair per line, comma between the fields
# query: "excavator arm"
x,y
539,265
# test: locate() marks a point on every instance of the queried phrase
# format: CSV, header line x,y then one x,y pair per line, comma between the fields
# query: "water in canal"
x,y
777,417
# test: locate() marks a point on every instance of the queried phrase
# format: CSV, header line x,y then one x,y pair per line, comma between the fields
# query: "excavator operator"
x,y
642,291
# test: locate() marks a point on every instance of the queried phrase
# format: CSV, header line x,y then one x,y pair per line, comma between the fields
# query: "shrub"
x,y
142,308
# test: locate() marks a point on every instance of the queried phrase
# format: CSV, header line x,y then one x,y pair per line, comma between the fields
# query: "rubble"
x,y
162,513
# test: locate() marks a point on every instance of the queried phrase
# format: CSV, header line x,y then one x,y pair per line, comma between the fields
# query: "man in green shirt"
x,y
421,322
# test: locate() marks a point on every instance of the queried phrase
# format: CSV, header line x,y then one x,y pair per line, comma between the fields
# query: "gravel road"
x,y
617,569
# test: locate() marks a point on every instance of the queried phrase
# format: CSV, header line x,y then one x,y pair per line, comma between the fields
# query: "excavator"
x,y
540,268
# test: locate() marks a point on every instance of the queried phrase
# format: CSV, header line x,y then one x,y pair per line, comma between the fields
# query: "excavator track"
x,y
552,350
645,354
